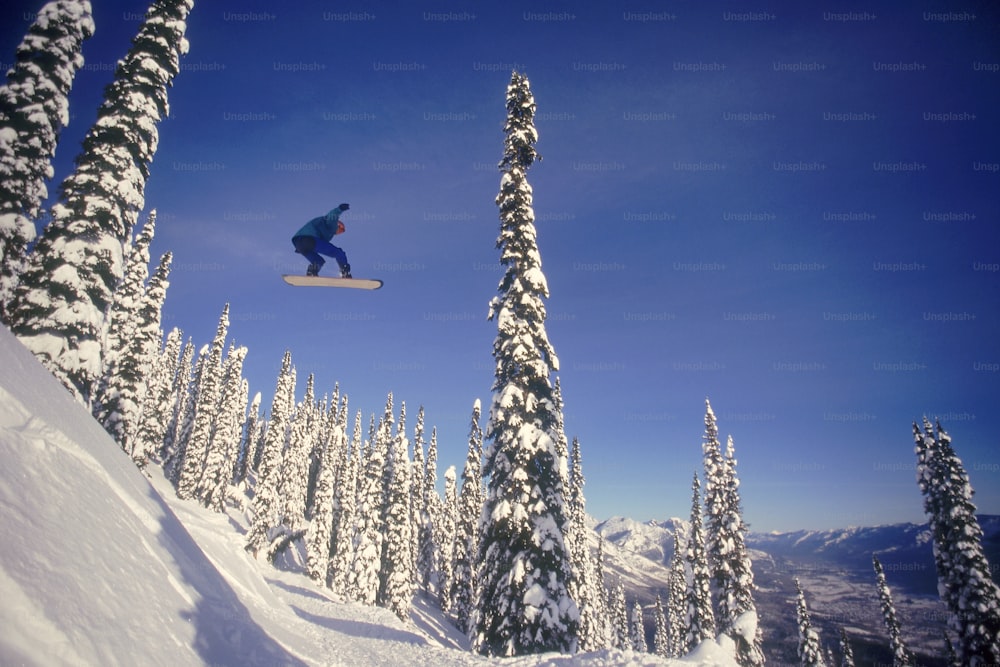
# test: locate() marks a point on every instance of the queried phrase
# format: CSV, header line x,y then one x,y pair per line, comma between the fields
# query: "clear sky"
x,y
790,210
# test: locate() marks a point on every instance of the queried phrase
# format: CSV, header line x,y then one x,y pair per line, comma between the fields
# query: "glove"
x,y
344,207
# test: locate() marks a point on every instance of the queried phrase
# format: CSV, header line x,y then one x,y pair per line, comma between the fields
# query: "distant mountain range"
x,y
835,568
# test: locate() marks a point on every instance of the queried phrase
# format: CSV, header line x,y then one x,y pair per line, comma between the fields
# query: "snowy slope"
x,y
95,568
102,566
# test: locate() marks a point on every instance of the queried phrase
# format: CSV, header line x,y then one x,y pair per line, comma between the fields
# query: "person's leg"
x,y
330,250
306,246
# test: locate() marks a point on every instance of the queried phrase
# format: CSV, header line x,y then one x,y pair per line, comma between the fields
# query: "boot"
x,y
345,271
313,270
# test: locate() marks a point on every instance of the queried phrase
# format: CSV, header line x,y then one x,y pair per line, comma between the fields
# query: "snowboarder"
x,y
313,240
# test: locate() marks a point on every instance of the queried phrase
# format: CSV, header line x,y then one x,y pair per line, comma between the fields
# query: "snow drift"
x,y
95,567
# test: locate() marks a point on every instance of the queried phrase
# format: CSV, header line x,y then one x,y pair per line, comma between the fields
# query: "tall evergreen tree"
x,y
601,596
677,599
661,635
65,290
158,403
725,545
700,618
248,444
292,485
901,656
122,319
266,506
583,587
950,654
524,605
618,613
964,575
417,499
346,502
810,652
446,540
181,432
172,450
325,413
127,296
138,365
342,477
396,576
846,652
430,511
363,584
205,412
34,108
217,476
637,629
470,506
258,446
320,533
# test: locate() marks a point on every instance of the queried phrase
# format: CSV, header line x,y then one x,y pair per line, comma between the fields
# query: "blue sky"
x,y
790,210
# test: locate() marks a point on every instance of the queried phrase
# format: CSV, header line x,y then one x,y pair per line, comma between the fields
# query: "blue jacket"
x,y
324,227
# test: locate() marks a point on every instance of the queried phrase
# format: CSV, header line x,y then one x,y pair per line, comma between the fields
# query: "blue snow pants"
x,y
311,248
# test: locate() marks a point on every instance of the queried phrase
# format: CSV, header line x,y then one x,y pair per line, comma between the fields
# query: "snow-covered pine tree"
x,y
60,303
661,636
846,652
603,628
258,448
715,474
205,410
34,108
700,618
810,652
524,606
243,405
248,443
470,507
185,384
346,501
158,403
560,490
950,654
901,656
677,603
342,477
325,415
266,505
138,365
637,629
618,613
127,296
369,531
217,476
396,575
185,419
725,545
417,498
446,539
292,484
583,587
965,582
429,561
107,404
319,536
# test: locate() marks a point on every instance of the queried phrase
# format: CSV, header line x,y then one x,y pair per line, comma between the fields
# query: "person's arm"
x,y
334,215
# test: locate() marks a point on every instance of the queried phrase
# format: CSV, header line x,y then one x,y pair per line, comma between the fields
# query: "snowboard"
x,y
330,281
